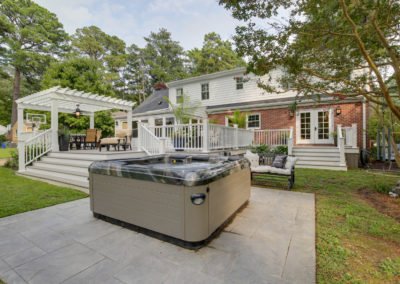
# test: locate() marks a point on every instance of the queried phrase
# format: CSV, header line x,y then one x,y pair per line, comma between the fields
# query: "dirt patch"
x,y
383,203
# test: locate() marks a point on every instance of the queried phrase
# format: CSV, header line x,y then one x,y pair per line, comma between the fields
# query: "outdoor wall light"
x,y
198,198
291,113
77,111
338,111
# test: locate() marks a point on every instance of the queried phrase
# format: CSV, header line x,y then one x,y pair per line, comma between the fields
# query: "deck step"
x,y
57,177
79,171
66,162
96,156
316,149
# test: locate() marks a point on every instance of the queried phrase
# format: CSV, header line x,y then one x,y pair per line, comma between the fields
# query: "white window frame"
x,y
239,83
259,120
179,95
205,92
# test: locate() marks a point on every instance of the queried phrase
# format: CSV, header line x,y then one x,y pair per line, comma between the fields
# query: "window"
x,y
239,83
169,121
179,95
205,91
124,125
158,122
134,129
253,121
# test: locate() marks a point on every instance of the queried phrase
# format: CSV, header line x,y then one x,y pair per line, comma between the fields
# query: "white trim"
x,y
364,124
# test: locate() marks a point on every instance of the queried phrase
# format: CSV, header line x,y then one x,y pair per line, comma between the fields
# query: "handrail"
x,y
33,148
149,142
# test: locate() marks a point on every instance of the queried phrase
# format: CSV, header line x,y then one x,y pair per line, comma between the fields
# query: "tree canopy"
x,y
164,56
30,37
215,55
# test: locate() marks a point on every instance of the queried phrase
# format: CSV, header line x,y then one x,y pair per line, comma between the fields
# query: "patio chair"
x,y
123,138
91,138
287,170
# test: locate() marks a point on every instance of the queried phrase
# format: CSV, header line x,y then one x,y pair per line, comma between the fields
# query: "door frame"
x,y
314,123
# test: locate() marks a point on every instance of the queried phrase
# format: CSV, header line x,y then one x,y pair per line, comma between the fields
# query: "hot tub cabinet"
x,y
187,198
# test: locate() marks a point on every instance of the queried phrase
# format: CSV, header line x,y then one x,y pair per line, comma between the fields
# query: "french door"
x,y
314,126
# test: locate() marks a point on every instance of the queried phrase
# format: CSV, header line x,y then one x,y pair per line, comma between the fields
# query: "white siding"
x,y
223,90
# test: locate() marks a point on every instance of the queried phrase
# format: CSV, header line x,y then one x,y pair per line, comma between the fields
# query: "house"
x,y
314,123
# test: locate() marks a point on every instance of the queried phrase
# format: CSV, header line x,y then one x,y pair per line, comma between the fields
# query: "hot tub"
x,y
185,199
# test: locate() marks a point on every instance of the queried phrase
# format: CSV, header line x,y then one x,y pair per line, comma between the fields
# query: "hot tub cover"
x,y
188,170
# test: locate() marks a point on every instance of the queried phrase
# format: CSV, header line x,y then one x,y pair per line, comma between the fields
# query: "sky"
x,y
131,20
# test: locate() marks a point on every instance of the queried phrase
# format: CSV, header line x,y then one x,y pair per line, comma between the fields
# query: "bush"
x,y
3,138
280,150
261,149
12,163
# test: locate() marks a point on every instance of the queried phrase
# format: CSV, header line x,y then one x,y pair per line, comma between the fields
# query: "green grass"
x,y
355,242
5,153
19,194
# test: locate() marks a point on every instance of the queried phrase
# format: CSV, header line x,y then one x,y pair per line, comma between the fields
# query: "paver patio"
x,y
271,241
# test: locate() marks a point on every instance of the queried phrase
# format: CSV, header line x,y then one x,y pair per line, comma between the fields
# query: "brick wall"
x,y
280,118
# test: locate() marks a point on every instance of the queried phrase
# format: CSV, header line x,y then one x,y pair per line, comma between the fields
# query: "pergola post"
x,y
54,126
21,144
129,122
91,115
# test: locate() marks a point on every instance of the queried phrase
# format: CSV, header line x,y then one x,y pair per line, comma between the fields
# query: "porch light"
x,y
77,111
338,111
291,113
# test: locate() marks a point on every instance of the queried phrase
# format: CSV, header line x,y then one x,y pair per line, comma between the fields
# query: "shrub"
x,y
261,149
280,150
12,163
3,138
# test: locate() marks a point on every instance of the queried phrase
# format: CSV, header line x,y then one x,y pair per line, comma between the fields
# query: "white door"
x,y
314,126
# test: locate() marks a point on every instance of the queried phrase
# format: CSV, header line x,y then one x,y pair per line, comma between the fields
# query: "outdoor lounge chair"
x,y
122,139
269,170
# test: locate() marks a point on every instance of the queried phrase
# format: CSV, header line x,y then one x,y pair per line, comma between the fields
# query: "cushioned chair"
x,y
122,139
90,140
265,170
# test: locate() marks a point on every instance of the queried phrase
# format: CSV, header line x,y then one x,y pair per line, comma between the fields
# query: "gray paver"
x,y
59,265
272,240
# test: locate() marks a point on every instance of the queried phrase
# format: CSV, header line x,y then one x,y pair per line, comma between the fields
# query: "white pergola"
x,y
65,100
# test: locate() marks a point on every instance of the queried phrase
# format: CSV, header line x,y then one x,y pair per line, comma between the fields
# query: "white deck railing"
x,y
148,142
32,149
272,137
201,137
340,143
350,135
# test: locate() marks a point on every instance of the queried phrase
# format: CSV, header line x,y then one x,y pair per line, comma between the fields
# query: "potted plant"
x,y
63,138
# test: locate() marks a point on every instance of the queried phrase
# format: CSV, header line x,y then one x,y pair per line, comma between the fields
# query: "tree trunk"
x,y
16,93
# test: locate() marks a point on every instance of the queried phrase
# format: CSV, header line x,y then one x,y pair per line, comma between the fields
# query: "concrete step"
x,y
79,171
317,163
332,168
316,149
316,154
317,158
57,177
66,162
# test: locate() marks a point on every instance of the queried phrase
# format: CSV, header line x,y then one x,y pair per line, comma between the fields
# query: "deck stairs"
x,y
71,168
318,157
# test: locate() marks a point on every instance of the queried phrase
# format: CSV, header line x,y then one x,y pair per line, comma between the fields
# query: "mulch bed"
x,y
383,203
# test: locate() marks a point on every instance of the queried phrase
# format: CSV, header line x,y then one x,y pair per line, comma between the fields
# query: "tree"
x,y
338,48
95,44
86,75
215,55
164,57
83,74
136,75
30,37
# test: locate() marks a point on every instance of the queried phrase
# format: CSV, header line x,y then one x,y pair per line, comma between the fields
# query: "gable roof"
x,y
240,70
155,102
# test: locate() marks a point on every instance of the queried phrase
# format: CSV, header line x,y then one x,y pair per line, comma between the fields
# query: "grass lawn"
x,y
6,153
355,242
19,194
